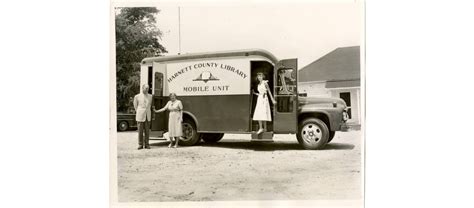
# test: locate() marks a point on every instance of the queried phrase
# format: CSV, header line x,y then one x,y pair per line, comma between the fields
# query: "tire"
x,y
122,126
331,135
212,137
190,136
312,134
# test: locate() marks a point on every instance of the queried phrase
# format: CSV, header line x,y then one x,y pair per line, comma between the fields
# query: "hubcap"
x,y
188,132
311,133
123,126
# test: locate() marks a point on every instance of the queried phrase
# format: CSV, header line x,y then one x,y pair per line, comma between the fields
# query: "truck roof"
x,y
218,54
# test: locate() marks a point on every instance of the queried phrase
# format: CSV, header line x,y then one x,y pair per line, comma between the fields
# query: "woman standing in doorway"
x,y
262,112
175,119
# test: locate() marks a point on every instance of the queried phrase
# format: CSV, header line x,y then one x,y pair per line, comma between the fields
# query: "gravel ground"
x,y
237,169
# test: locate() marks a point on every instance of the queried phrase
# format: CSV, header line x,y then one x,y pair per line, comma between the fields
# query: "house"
x,y
337,74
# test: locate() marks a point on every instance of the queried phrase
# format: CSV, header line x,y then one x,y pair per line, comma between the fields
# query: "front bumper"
x,y
345,127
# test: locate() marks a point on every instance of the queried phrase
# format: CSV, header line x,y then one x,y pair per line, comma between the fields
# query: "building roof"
x,y
343,84
217,54
339,65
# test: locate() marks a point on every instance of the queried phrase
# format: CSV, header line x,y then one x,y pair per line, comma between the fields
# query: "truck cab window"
x,y
286,81
285,89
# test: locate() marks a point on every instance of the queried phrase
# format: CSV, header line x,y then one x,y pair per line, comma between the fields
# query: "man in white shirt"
x,y
142,104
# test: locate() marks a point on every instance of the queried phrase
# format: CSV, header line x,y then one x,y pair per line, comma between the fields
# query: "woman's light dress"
x,y
262,109
174,124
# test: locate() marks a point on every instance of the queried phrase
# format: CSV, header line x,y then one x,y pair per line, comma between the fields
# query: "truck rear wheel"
x,y
190,136
312,134
211,137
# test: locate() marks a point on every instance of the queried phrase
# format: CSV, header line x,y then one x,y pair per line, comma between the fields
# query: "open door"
x,y
286,97
159,123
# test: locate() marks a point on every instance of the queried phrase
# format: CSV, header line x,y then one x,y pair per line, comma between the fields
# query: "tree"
x,y
136,37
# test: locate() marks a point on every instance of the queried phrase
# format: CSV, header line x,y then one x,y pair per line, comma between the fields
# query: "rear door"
x,y
159,122
286,97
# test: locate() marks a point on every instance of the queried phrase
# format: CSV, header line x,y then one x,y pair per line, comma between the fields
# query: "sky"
x,y
306,31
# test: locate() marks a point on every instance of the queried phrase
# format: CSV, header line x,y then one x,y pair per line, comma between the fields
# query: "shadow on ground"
x,y
258,146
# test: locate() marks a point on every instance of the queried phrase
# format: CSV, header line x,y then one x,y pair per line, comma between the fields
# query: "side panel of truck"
x,y
215,91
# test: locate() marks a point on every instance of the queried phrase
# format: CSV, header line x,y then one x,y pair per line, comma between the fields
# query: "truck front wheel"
x,y
331,135
190,136
312,134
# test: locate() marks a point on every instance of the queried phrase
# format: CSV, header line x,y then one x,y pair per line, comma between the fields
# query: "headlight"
x,y
345,116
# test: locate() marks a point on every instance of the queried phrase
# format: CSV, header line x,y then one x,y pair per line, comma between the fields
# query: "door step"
x,y
263,137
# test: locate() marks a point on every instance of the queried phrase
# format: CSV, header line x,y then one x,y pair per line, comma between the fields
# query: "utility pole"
x,y
179,30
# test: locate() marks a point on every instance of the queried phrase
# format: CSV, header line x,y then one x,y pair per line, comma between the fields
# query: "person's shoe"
x,y
147,147
260,131
175,146
140,147
169,146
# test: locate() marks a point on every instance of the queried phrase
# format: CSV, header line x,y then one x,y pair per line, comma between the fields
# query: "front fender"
x,y
334,115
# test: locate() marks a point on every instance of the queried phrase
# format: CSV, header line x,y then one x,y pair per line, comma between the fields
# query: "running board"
x,y
263,137
157,138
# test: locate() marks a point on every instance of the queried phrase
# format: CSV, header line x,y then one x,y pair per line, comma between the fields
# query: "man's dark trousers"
x,y
144,141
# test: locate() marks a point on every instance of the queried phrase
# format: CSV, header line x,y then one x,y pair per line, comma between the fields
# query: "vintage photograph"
x,y
242,102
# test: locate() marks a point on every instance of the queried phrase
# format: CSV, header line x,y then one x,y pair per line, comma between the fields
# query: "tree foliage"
x,y
136,37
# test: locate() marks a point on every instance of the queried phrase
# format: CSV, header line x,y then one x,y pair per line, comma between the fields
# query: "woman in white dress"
x,y
175,119
262,112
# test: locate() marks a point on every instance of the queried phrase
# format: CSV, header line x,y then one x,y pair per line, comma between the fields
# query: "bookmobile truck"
x,y
216,91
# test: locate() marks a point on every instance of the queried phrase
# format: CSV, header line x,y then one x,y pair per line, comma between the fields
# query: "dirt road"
x,y
237,169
